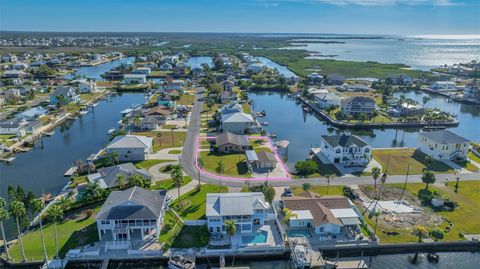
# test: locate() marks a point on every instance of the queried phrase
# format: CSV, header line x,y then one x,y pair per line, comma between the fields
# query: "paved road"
x,y
188,158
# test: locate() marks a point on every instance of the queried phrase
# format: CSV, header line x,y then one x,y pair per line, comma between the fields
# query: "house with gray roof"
x,y
238,123
443,145
346,149
231,143
131,147
358,105
249,210
107,176
134,214
68,93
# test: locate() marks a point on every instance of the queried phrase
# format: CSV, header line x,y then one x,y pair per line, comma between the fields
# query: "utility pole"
x,y
406,179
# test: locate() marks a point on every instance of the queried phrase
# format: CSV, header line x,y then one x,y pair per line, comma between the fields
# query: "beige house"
x,y
443,145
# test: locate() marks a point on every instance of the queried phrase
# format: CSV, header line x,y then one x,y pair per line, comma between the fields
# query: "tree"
x,y
375,174
329,177
4,216
17,209
159,137
136,180
37,207
230,226
220,169
428,178
121,181
306,186
113,156
420,232
93,190
287,215
177,177
425,100
56,214
437,234
377,214
306,167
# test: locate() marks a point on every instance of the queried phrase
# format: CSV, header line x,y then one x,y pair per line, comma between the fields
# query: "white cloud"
x,y
374,2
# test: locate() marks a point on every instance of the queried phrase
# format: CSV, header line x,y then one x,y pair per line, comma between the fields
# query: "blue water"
x,y
94,72
283,70
197,61
298,233
259,237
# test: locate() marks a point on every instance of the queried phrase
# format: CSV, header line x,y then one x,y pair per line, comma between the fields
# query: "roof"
x,y
134,76
358,99
232,107
107,176
444,137
131,141
62,90
237,117
320,207
251,155
344,140
153,119
133,203
229,138
265,156
234,204
302,214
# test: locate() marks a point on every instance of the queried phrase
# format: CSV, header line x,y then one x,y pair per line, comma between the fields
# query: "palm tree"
x,y
17,208
159,137
173,136
231,228
220,169
425,100
377,214
56,214
428,177
121,181
93,190
113,156
306,186
375,174
177,177
287,215
37,206
420,232
136,180
4,215
201,163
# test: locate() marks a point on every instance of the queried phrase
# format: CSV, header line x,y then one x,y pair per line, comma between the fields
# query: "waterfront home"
x,y
345,149
230,143
443,86
107,177
328,216
336,79
32,113
12,94
180,69
174,85
249,210
87,86
399,79
226,97
406,109
355,87
443,145
159,110
68,93
261,160
238,123
134,79
326,100
135,214
358,105
256,67
13,127
472,91
166,67
315,77
131,147
13,74
166,100
171,59
228,85
197,72
232,107
20,66
152,122
142,70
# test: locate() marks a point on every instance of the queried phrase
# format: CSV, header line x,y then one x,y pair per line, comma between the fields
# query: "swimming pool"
x,y
298,233
258,237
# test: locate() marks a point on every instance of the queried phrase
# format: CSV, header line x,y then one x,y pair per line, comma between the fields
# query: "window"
x,y
321,229
337,151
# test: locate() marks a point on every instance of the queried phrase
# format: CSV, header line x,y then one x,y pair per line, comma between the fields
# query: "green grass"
x,y
395,162
191,205
169,126
168,184
467,165
175,151
473,157
70,235
75,181
7,136
170,230
321,190
146,164
234,163
186,100
166,141
192,237
246,108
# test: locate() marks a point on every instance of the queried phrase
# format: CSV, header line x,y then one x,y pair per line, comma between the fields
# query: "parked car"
x,y
287,192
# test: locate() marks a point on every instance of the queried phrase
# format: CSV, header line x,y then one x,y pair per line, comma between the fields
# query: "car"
x,y
287,192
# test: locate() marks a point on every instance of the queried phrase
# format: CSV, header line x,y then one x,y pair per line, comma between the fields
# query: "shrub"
x,y
306,167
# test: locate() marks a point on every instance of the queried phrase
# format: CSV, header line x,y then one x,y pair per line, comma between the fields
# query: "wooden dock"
x,y
70,171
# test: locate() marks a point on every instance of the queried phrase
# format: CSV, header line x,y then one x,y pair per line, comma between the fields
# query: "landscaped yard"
x,y
166,141
191,205
170,229
395,162
168,184
71,234
473,157
192,237
175,151
146,164
467,165
235,164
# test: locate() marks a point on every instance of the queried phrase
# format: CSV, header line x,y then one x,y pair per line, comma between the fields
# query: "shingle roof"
x,y
358,99
444,137
234,204
107,176
62,90
229,138
237,117
133,203
344,140
131,141
265,156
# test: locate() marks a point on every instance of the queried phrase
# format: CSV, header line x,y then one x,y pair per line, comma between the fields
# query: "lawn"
x,y
175,151
166,141
186,100
146,164
70,235
234,163
467,165
192,237
395,162
473,157
170,230
321,190
168,184
191,205
246,108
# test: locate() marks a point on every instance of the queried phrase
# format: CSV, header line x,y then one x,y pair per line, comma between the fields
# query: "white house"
x,y
238,123
326,100
13,126
176,84
249,210
134,214
135,79
326,216
472,91
443,86
256,67
358,105
348,150
131,147
443,145
142,70
86,86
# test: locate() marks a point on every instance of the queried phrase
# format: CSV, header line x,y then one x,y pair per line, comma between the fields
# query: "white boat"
x,y
111,131
177,261
265,123
83,112
49,133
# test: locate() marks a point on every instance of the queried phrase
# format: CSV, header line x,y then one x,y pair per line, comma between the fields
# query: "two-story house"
x,y
68,95
358,105
131,147
348,150
238,123
443,145
248,209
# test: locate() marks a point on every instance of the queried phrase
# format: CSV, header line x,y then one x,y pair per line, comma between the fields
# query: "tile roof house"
x,y
131,147
107,176
248,209
134,214
348,150
229,143
443,145
326,215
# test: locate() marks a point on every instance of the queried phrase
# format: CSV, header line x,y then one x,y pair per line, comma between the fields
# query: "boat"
x,y
83,112
265,123
415,259
111,131
432,257
49,133
306,109
273,135
177,261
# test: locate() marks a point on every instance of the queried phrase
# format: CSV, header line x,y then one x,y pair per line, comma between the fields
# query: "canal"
x,y
198,61
288,121
94,72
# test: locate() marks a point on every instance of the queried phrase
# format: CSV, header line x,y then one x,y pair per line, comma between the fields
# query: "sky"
x,y
404,17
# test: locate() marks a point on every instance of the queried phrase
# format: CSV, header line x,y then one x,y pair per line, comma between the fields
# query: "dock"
x,y
70,171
